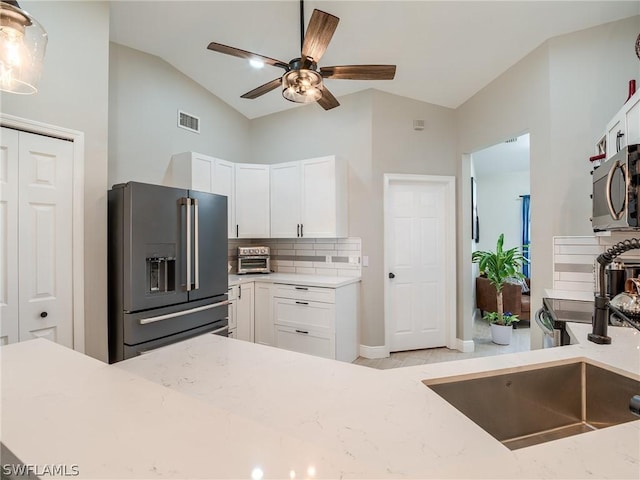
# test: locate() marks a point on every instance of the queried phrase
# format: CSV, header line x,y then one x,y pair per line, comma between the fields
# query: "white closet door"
x,y
45,238
9,300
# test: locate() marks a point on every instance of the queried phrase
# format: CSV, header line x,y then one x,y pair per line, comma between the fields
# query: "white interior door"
x,y
45,238
418,236
9,300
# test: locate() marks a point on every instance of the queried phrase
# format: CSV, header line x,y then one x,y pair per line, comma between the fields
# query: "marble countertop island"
x,y
213,407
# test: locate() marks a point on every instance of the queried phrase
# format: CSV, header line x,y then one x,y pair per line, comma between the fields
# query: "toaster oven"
x,y
254,259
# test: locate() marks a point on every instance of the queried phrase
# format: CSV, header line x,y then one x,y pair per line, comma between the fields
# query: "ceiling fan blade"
x,y
359,72
328,101
237,52
319,32
262,89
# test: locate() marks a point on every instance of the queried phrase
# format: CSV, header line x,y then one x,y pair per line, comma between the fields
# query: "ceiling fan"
x,y
302,80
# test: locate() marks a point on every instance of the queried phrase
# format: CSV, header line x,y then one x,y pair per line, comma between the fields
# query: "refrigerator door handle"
x,y
144,321
187,202
196,246
188,261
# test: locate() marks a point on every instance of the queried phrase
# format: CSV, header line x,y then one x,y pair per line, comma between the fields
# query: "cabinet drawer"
x,y
305,341
302,314
232,292
299,292
233,318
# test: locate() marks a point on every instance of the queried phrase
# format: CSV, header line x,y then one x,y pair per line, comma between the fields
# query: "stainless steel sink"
x,y
521,407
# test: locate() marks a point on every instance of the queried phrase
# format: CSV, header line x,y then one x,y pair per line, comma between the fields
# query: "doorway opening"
x,y
500,179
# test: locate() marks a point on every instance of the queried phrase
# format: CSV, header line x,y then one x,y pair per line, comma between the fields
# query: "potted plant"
x,y
500,266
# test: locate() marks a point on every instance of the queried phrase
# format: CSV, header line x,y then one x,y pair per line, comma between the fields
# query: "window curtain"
x,y
526,239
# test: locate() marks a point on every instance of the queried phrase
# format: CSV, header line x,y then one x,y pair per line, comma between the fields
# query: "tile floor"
x,y
484,347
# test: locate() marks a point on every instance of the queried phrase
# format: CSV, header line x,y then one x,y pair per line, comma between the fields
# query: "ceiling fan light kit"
x,y
302,82
302,86
23,42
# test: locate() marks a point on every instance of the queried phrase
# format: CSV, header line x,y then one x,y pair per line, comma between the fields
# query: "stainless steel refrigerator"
x,y
167,267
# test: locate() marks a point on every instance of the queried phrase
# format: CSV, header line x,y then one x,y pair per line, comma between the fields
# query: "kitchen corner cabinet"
x,y
624,128
309,198
316,320
243,307
252,201
195,171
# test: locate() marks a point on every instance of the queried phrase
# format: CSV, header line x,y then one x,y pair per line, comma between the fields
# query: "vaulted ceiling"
x,y
445,51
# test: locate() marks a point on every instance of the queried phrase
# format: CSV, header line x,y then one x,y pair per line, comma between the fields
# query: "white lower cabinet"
x,y
317,320
305,341
232,293
264,329
241,312
244,312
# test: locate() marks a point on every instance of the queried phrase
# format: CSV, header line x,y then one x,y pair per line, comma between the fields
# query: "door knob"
x,y
44,314
392,275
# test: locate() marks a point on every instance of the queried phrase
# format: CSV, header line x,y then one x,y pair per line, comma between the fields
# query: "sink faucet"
x,y
600,319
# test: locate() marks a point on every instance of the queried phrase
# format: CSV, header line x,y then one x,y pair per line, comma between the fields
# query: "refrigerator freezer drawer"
x,y
218,328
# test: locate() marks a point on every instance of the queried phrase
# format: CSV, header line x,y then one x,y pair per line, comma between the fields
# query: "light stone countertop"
x,y
213,407
294,279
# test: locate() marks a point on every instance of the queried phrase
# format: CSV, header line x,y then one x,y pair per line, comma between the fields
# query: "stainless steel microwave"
x,y
616,185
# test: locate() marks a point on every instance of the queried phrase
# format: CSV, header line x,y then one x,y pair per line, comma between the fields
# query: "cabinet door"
x,y
224,184
264,329
233,298
303,314
633,120
244,312
286,200
305,341
9,306
252,200
192,171
324,200
615,135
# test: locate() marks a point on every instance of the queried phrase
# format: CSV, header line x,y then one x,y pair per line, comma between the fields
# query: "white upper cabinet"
x,y
309,199
624,128
252,201
286,200
195,171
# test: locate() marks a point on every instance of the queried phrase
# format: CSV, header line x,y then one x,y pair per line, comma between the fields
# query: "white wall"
x,y
73,93
563,94
145,94
500,208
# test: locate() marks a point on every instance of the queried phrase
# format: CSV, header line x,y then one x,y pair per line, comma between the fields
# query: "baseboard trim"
x,y
373,352
466,346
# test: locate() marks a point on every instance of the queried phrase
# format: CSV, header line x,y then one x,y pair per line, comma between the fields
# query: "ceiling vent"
x,y
511,140
188,121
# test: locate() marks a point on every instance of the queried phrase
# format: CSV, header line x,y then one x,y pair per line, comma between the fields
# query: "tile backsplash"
x,y
340,257
574,259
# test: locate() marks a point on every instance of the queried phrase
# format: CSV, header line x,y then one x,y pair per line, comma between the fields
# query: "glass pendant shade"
x,y
302,86
23,42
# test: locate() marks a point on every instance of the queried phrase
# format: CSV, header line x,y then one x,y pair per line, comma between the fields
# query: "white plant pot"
x,y
501,334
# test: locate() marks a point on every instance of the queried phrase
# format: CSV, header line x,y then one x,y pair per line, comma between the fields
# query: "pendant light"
x,y
23,42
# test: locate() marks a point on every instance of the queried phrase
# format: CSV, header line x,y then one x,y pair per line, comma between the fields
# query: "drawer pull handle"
x,y
302,288
302,303
302,331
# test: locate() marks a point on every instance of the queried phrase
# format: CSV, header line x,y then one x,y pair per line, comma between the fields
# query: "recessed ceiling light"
x,y
256,63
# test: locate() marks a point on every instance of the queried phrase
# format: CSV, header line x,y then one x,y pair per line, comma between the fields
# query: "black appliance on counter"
x,y
167,267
